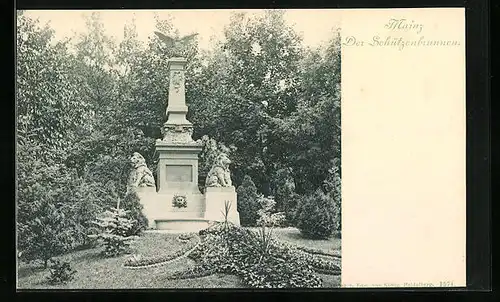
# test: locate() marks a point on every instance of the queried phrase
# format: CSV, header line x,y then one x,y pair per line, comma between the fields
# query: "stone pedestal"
x,y
177,169
215,198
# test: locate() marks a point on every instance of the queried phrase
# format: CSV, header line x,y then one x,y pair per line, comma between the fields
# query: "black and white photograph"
x,y
173,149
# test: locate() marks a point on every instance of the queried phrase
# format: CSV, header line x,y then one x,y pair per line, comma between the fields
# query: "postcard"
x,y
172,149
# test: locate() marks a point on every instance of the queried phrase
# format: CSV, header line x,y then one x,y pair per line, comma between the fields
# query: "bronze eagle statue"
x,y
175,43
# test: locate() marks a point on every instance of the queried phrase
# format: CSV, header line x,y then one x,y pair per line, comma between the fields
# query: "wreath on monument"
x,y
179,201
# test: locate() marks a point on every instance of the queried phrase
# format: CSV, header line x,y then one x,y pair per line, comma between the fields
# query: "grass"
x,y
95,272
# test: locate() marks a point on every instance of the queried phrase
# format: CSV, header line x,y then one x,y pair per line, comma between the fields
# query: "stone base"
x,y
184,225
158,207
147,198
201,209
215,199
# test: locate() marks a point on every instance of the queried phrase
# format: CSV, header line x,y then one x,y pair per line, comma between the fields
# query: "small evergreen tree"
x,y
248,202
115,228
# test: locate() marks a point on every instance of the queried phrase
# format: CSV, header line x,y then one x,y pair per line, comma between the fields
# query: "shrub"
x,y
248,202
115,227
55,207
60,272
315,215
131,203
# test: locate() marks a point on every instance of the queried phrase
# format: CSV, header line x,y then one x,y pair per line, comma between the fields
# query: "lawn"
x,y
95,272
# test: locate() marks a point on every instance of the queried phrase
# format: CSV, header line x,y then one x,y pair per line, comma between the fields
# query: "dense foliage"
x,y
85,104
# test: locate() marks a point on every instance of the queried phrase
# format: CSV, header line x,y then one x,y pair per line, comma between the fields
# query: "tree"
x,y
250,79
333,188
110,83
115,229
309,139
96,64
49,235
49,107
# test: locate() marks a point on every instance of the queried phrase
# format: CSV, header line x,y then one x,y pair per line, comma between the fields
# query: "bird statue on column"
x,y
176,44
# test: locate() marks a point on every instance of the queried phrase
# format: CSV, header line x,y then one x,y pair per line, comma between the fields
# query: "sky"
x,y
315,26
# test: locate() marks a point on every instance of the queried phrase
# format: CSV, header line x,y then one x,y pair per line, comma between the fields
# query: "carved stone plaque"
x,y
179,173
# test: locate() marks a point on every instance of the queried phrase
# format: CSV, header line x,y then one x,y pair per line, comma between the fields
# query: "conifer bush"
x,y
248,205
316,217
115,230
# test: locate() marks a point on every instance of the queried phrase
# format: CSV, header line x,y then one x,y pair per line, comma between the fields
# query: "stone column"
x,y
177,109
177,172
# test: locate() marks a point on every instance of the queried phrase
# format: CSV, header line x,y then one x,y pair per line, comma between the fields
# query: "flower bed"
x,y
334,254
139,262
318,264
226,248
260,261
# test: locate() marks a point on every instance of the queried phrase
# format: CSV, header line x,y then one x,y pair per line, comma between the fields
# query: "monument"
x,y
177,203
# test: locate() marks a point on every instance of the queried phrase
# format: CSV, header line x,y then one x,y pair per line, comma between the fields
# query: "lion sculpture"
x,y
219,175
140,176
